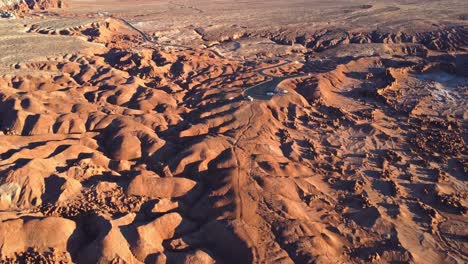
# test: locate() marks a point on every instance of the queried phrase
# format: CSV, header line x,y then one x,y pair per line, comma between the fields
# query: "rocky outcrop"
x,y
448,39
24,5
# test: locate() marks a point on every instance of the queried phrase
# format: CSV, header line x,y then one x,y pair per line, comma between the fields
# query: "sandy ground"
x,y
234,132
19,46
176,20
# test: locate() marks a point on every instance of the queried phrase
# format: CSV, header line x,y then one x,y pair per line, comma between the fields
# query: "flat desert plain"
x,y
233,131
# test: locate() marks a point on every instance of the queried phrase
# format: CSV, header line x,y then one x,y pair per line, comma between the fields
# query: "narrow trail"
x,y
239,182
143,34
241,178
146,38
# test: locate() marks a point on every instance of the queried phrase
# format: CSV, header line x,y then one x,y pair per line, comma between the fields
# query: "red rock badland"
x,y
225,132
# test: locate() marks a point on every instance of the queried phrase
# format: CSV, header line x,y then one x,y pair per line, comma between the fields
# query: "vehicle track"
x,y
145,36
238,186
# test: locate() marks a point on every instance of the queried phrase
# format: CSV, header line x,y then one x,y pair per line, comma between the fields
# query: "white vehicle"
x,y
270,93
250,98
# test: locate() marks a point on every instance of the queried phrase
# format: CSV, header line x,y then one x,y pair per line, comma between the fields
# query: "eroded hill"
x,y
342,147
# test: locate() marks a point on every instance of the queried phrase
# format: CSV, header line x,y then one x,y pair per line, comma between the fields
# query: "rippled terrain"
x,y
226,132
